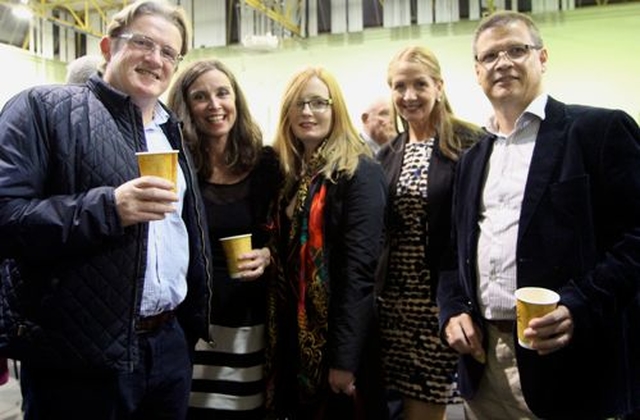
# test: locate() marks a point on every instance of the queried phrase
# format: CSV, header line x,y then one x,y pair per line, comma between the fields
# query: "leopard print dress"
x,y
415,361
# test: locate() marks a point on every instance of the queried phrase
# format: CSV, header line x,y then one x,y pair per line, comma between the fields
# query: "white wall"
x,y
21,70
594,58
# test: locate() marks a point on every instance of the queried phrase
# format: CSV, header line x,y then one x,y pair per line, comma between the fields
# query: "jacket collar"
x,y
547,152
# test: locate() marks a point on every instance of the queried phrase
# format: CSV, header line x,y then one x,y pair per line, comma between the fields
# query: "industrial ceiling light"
x,y
22,11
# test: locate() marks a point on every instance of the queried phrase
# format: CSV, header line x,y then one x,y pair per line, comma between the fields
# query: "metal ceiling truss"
x,y
90,17
286,13
81,14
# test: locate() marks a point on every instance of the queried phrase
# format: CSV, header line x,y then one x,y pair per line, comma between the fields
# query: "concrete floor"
x,y
10,401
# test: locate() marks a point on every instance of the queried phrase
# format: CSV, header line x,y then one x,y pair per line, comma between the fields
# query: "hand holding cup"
x,y
160,164
532,302
234,247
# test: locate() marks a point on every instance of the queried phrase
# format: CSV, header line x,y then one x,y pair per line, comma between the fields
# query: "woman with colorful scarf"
x,y
323,354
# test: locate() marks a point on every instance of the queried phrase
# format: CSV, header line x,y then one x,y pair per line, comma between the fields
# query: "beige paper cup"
x,y
161,164
234,246
533,302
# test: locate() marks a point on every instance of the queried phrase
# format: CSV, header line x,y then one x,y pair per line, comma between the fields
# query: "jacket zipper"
x,y
201,230
140,263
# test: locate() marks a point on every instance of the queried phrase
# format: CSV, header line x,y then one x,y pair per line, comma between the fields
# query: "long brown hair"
x,y
244,143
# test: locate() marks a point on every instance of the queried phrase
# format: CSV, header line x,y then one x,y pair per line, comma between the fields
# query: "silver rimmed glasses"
x,y
515,53
144,43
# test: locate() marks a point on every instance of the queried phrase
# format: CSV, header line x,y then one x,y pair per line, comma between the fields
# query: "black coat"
x,y
353,228
63,150
579,234
353,224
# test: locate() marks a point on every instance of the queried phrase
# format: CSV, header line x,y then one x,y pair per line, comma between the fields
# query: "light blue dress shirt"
x,y
165,283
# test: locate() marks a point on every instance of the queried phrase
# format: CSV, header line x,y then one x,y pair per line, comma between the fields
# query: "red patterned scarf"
x,y
313,296
304,273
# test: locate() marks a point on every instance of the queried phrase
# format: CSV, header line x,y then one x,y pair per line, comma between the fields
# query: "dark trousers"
x,y
394,403
158,388
632,416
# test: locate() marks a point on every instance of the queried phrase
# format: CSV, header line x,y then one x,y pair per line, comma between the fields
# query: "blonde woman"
x,y
330,220
419,164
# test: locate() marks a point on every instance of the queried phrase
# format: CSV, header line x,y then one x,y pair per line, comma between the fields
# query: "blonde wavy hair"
x,y
343,145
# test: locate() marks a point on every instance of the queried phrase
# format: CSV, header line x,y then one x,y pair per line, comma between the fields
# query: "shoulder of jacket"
x,y
54,94
392,147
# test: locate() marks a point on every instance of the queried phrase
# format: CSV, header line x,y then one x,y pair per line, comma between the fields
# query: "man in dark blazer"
x,y
550,198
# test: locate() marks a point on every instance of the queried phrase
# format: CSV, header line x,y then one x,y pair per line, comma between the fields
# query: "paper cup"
x,y
533,302
234,246
161,164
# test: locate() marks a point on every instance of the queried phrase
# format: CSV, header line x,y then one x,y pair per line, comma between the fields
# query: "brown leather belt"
x,y
502,325
153,323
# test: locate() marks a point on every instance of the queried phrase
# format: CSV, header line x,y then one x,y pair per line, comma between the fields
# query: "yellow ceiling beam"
x,y
283,18
79,12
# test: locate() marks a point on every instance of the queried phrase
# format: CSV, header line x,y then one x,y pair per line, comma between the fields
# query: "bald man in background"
x,y
377,124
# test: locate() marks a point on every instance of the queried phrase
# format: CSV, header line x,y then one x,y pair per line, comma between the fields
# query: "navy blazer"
x,y
579,234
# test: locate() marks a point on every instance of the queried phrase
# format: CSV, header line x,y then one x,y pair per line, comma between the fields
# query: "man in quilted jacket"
x,y
105,281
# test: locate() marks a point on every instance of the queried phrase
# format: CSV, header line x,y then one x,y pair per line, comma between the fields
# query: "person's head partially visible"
x,y
377,121
80,69
510,59
144,44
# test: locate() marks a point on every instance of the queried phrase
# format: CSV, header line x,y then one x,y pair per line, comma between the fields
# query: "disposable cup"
x,y
532,302
160,164
234,246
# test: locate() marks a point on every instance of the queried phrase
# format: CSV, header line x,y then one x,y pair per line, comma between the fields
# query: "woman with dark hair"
x,y
239,180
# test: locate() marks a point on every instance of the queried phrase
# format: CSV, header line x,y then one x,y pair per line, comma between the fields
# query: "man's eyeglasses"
x,y
513,53
144,43
315,105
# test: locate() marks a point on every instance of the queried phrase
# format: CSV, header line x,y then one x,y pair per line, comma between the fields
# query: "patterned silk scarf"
x,y
311,282
302,285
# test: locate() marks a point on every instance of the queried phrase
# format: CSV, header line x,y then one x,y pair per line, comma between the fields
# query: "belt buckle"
x,y
153,323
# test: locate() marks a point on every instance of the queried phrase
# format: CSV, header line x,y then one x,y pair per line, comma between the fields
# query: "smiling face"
x,y
510,82
414,93
144,75
212,104
309,126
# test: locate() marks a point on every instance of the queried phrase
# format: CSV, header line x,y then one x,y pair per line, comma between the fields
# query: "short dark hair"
x,y
503,18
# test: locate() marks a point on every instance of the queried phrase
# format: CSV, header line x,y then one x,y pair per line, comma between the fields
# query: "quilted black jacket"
x,y
72,282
